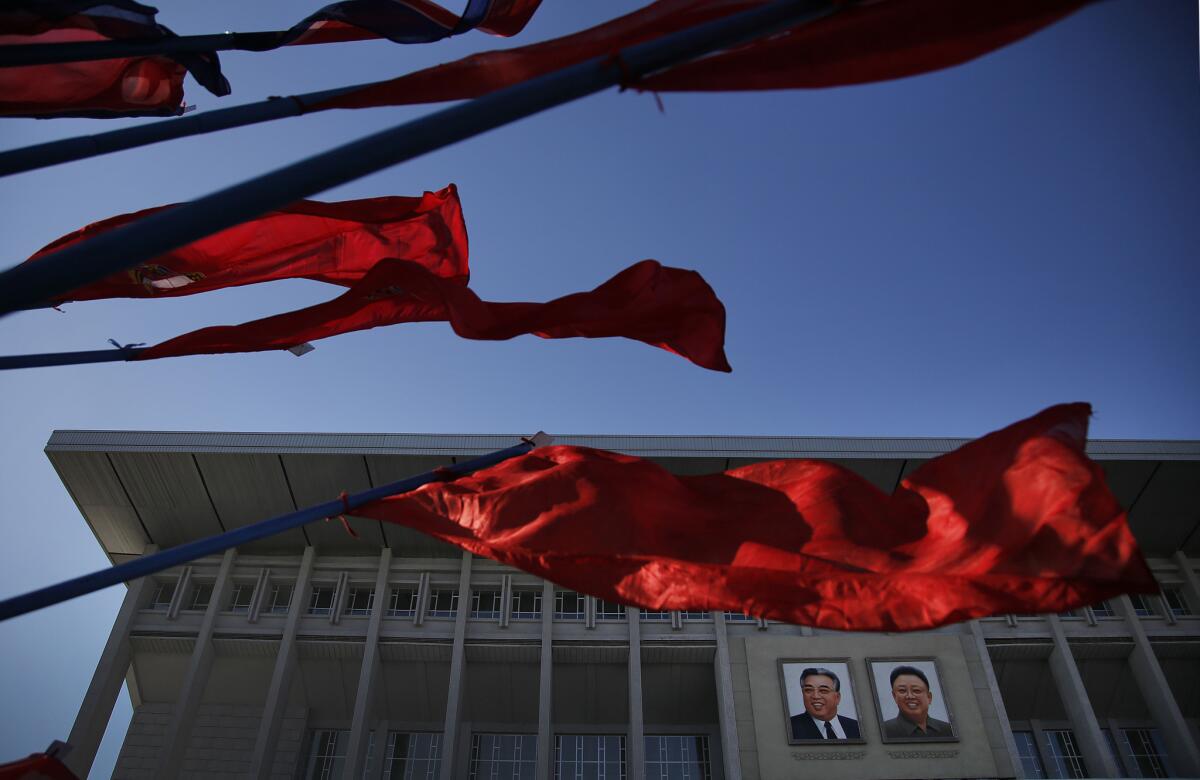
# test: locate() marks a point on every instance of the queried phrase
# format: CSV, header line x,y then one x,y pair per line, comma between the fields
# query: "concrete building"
x,y
318,654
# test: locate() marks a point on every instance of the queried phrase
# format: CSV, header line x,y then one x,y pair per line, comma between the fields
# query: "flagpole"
x,y
26,54
30,158
47,359
175,556
57,274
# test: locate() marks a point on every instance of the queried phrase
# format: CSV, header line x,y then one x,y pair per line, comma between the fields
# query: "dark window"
x,y
360,601
321,602
412,756
568,605
589,757
1062,751
443,603
1176,602
201,595
526,604
240,600
677,758
486,604
280,600
609,610
403,602
507,756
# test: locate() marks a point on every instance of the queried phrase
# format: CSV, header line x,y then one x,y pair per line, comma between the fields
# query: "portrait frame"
x,y
790,698
879,670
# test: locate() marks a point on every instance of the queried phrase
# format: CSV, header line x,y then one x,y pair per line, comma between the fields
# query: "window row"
x,y
403,601
1172,604
1055,753
417,756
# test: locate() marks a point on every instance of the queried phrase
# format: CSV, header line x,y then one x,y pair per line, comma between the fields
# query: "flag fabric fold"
x,y
336,243
861,42
1019,520
126,86
408,21
669,308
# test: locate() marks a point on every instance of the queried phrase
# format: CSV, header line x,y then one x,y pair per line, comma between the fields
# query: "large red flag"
x,y
1017,521
328,242
408,21
868,41
669,308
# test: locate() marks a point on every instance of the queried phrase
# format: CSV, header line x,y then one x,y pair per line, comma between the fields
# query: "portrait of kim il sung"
x,y
910,702
819,703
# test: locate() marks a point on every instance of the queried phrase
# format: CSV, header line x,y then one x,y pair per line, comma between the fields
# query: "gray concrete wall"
x,y
220,746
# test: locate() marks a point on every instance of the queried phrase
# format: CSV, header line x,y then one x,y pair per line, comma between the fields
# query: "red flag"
x,y
327,242
407,21
1017,521
669,308
869,41
126,86
38,766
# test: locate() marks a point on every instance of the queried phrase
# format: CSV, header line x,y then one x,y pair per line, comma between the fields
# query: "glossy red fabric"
x,y
337,22
38,766
868,42
130,86
327,242
1017,521
669,308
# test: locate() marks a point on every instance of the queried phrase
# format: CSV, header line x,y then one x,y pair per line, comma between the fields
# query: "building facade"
x,y
358,649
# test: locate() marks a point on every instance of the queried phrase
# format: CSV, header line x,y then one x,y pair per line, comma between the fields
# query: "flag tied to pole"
x,y
862,42
153,85
1017,521
327,242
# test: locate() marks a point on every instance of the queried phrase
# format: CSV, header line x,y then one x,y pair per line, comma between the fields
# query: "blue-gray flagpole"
x,y
155,562
31,284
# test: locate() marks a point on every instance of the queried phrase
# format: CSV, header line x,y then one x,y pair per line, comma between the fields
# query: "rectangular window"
x,y
443,602
412,756
656,614
1063,754
1176,601
239,602
486,604
1147,752
321,601
568,605
201,595
163,593
402,602
609,610
1141,605
327,754
589,757
677,758
360,601
1031,762
694,615
526,604
1103,610
280,599
738,617
495,756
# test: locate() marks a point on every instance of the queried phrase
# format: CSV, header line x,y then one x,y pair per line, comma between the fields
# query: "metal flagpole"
x,y
30,158
46,359
34,283
155,562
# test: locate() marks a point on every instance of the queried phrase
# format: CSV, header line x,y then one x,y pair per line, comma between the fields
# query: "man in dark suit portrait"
x,y
910,689
822,692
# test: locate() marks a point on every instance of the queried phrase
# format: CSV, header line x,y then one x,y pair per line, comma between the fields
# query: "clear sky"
x,y
939,255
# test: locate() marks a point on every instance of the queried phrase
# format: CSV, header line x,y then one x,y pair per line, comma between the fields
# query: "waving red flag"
x,y
665,307
1017,521
868,41
327,242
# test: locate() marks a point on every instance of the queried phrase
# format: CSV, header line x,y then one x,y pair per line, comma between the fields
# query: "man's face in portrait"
x,y
912,696
821,698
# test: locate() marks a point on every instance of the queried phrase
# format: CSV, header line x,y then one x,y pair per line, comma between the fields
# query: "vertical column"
x,y
1182,751
985,660
368,673
1191,582
378,762
281,677
1079,708
545,684
102,692
454,695
637,733
180,728
726,714
181,588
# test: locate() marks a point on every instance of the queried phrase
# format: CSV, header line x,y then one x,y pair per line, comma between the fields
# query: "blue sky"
x,y
939,255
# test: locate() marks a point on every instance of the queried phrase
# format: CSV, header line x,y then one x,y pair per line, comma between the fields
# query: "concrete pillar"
x,y
377,764
1074,697
101,696
179,730
636,752
281,677
368,675
725,710
985,660
1191,581
454,695
545,685
1182,752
